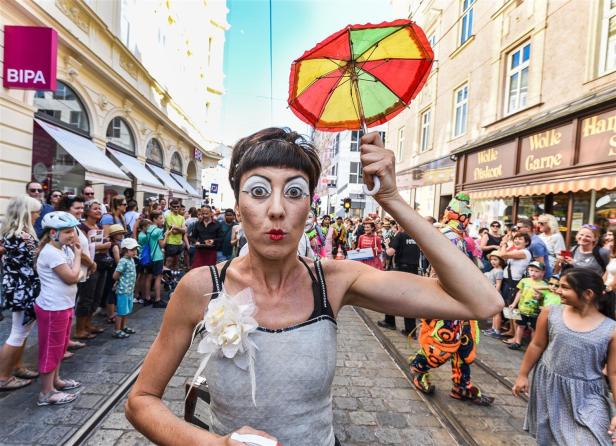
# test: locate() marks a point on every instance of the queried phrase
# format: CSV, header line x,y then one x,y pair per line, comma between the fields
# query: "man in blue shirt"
x,y
537,247
226,249
35,190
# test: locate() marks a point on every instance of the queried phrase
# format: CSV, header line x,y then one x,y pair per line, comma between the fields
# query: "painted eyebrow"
x,y
260,176
295,178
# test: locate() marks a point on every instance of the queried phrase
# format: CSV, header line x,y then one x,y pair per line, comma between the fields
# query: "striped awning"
x,y
575,185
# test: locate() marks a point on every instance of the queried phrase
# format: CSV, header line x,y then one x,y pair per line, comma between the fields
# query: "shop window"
x,y
154,151
466,28
356,176
605,209
581,212
176,163
529,207
63,105
424,139
607,61
557,206
460,110
119,133
516,90
486,211
53,166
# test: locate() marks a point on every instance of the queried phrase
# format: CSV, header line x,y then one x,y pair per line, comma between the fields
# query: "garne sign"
x,y
30,57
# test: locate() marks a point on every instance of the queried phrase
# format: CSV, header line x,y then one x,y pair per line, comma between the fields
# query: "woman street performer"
x,y
287,396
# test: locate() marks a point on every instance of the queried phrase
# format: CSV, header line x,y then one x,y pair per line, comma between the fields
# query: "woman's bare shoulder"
x,y
193,294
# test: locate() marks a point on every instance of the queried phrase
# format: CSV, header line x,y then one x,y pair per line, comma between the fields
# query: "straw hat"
x,y
116,229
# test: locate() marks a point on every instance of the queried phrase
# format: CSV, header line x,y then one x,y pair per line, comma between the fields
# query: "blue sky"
x,y
298,25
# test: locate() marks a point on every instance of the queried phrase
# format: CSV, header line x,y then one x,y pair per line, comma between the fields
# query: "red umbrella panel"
x,y
361,76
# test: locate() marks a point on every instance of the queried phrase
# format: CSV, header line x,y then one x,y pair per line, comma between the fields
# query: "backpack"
x,y
145,258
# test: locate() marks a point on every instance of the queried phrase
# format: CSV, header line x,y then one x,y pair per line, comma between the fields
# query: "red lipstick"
x,y
276,234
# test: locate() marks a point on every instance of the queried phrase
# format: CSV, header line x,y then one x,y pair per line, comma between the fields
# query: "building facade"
x,y
122,116
525,115
342,175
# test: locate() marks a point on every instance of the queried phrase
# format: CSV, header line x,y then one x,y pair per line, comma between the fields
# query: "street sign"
x,y
214,188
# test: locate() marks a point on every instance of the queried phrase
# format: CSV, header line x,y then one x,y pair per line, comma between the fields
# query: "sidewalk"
x,y
101,367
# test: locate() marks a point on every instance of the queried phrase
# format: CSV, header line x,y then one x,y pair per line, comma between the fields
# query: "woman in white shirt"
x,y
59,268
517,257
551,236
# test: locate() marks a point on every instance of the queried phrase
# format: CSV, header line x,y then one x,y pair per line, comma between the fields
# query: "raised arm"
x,y
460,292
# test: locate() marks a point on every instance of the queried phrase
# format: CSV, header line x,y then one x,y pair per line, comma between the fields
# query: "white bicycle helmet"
x,y
59,220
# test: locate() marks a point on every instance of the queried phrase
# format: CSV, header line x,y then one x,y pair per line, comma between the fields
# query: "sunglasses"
x,y
592,227
495,226
89,194
124,204
35,190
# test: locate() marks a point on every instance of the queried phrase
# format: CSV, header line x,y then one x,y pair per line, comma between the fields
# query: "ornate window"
x,y
63,105
154,151
119,133
176,163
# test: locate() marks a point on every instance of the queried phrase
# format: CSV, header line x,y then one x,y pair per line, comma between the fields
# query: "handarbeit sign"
x,y
30,56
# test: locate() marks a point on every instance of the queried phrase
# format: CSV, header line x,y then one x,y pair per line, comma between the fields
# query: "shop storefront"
x,y
83,121
63,154
565,167
428,187
65,158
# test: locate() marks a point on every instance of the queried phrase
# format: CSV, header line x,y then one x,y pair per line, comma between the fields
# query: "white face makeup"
x,y
257,187
296,188
260,187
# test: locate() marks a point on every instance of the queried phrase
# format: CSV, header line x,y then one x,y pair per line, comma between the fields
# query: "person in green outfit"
x,y
527,303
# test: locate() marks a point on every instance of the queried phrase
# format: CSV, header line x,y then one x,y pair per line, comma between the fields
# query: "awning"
x,y
186,185
576,185
86,153
166,179
138,170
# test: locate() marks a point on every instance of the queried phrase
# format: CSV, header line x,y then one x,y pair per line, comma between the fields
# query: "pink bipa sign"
x,y
30,57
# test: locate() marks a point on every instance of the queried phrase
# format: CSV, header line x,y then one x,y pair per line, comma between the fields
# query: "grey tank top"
x,y
294,370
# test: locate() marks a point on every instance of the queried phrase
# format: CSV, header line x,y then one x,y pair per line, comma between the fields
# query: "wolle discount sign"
x,y
30,57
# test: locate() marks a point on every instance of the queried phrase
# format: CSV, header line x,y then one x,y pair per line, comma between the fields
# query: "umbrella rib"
x,y
376,79
329,95
324,76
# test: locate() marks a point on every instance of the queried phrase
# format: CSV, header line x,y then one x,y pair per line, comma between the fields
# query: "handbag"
x,y
105,262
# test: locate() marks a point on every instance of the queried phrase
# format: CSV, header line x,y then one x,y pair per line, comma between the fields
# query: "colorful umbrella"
x,y
361,76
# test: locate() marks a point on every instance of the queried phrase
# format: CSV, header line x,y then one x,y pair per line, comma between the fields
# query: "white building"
x,y
342,175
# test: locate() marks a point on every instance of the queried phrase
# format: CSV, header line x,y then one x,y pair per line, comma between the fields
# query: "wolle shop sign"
x,y
30,57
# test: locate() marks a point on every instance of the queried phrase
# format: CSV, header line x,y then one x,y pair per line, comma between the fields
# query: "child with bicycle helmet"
x,y
59,266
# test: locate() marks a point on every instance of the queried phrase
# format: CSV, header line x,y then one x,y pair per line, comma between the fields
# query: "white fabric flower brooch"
x,y
228,323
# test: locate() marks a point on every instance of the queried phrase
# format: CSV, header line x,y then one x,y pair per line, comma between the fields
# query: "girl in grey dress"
x,y
569,401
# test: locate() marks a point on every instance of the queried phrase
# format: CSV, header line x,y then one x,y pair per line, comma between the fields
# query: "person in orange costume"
x,y
441,340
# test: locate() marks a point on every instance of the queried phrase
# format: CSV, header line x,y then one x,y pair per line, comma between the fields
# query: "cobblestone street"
x,y
374,403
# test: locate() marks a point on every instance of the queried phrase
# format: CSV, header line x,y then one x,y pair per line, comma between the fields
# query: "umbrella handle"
x,y
375,190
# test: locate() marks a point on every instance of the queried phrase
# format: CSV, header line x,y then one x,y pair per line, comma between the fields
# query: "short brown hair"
x,y
274,147
525,236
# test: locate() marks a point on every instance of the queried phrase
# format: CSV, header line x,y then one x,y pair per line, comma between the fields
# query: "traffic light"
x,y
347,203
